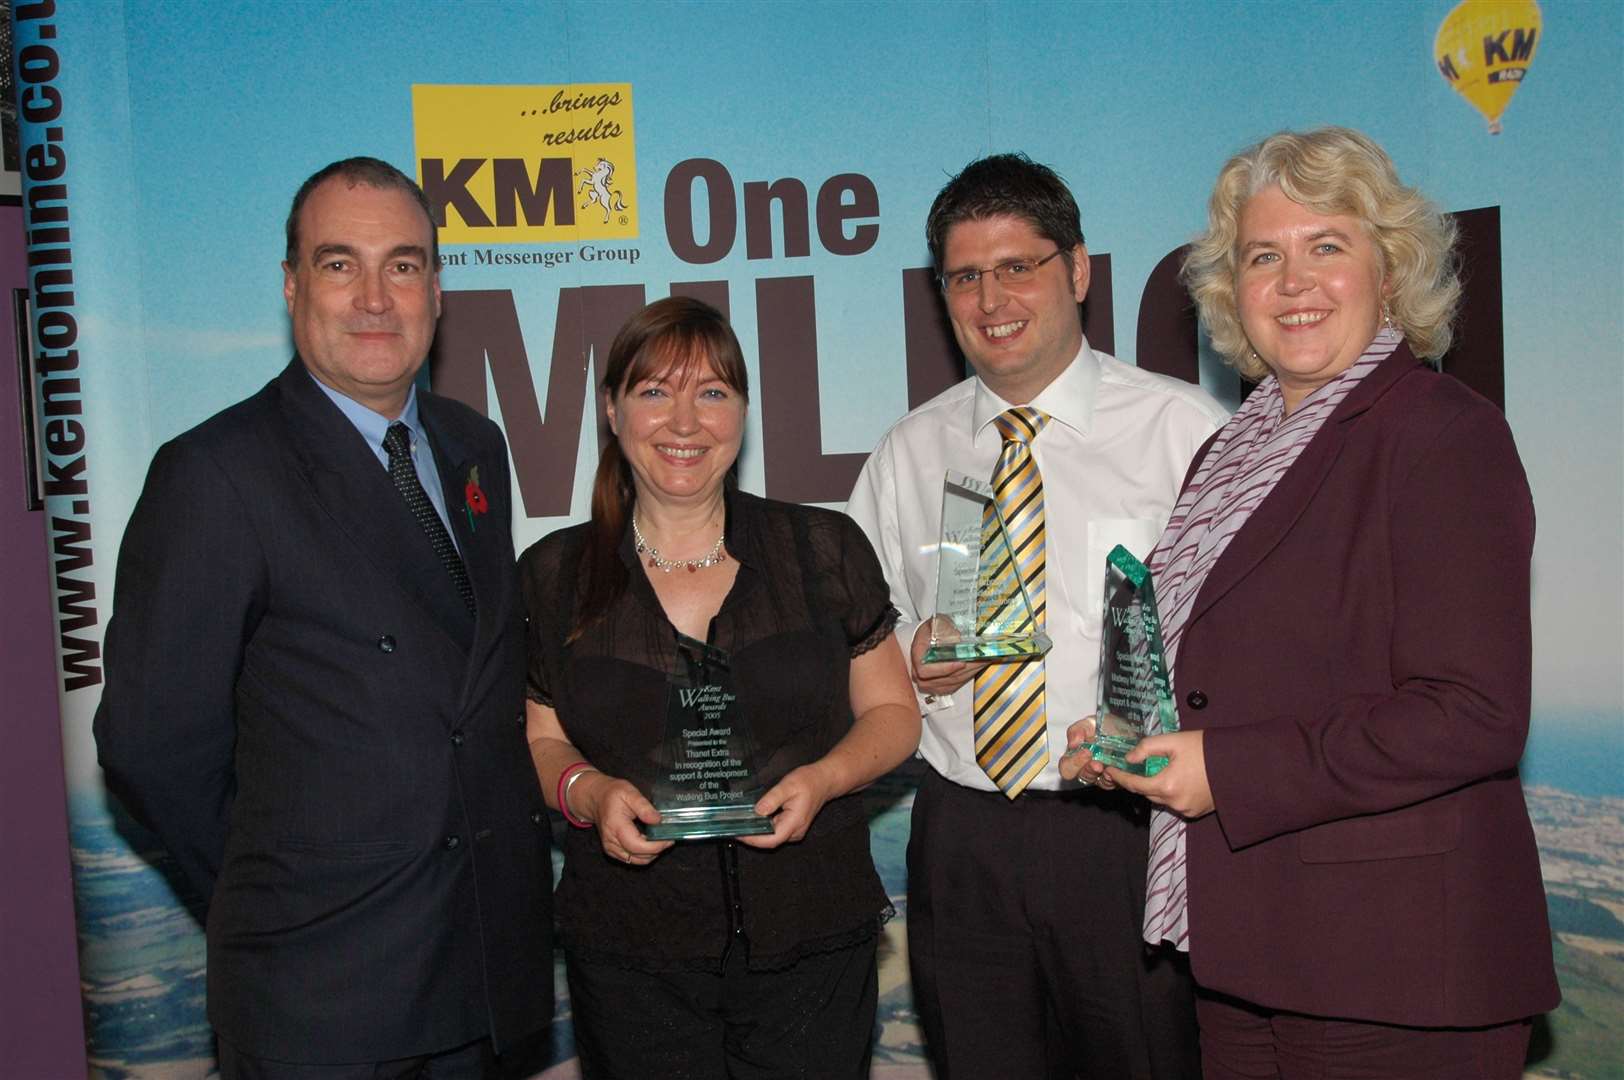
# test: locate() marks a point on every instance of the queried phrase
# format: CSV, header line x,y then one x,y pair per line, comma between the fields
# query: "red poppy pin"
x,y
474,501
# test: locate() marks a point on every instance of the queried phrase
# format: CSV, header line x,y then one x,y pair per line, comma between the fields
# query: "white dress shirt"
x,y
1112,461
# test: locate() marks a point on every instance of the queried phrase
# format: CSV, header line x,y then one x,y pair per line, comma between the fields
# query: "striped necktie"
x,y
397,440
1011,734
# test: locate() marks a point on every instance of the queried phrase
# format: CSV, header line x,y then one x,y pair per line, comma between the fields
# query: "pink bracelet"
x,y
570,773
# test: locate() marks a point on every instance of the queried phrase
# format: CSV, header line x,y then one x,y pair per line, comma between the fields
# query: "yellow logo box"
x,y
527,164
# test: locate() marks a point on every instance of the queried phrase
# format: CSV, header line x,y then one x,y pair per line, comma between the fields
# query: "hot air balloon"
x,y
1484,48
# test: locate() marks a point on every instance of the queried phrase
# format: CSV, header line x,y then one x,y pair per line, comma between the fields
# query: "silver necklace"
x,y
715,556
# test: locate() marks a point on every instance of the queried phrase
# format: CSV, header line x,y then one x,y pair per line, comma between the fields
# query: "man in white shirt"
x,y
1025,894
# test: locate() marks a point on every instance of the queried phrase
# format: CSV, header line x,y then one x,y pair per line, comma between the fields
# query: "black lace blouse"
x,y
809,596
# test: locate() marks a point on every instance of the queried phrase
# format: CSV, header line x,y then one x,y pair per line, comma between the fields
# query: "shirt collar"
x,y
1068,399
371,425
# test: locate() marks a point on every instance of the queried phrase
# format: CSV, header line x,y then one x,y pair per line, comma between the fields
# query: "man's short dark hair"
x,y
374,174
1005,184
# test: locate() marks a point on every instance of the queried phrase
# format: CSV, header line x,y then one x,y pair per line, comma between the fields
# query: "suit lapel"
x,y
481,549
1280,510
357,494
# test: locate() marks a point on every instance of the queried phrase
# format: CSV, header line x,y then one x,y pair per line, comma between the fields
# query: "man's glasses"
x,y
1013,274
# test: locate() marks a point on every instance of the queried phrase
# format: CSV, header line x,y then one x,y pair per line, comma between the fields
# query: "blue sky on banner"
x,y
1137,104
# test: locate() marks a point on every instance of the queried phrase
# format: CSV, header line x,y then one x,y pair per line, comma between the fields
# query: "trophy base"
x,y
708,822
1112,750
941,652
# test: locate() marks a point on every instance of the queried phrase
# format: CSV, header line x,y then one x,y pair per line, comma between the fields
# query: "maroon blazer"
x,y
1359,657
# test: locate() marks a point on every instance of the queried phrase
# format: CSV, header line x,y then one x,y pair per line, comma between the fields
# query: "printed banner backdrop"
x,y
779,159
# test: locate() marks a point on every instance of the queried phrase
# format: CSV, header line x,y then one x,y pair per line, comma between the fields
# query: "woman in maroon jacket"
x,y
1341,841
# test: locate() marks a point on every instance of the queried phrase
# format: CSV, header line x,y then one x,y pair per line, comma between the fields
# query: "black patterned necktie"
x,y
398,441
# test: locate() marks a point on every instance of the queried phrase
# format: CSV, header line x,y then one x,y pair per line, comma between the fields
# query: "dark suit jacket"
x,y
1362,650
300,706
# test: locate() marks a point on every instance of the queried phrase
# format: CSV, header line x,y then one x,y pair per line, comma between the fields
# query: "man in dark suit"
x,y
315,676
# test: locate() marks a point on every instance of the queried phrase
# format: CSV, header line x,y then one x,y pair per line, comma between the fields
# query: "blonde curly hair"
x,y
1330,170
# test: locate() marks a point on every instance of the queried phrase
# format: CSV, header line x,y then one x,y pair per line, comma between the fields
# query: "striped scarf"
x,y
1247,459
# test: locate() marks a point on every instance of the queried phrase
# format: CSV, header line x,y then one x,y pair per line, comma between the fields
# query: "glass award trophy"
x,y
704,783
1135,698
982,610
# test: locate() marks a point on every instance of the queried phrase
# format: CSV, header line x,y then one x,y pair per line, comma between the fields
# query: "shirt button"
x,y
1196,699
386,643
453,842
456,738
537,817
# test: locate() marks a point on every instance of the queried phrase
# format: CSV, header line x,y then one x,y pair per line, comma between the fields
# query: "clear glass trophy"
x,y
1135,698
704,782
982,609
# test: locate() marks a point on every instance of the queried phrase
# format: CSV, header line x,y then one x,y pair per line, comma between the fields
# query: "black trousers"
x,y
813,1020
475,1061
1023,939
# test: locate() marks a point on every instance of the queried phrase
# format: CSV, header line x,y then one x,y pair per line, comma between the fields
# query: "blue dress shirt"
x,y
372,426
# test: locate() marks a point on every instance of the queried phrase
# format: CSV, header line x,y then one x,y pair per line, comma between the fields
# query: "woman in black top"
x,y
744,957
